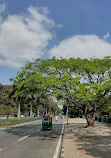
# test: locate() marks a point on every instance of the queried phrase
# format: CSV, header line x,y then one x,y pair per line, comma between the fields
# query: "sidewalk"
x,y
80,142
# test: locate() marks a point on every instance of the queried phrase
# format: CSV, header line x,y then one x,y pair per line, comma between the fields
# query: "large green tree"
x,y
84,83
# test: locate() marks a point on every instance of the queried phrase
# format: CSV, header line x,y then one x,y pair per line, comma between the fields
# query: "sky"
x,y
31,29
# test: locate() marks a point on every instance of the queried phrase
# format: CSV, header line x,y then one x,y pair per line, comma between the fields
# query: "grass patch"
x,y
14,121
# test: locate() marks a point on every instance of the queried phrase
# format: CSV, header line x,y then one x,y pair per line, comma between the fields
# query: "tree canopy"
x,y
83,83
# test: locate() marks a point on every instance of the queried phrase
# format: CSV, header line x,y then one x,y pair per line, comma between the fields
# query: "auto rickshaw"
x,y
47,122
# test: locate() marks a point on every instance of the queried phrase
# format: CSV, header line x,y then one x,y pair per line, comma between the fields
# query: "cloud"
x,y
26,36
23,37
2,8
60,25
83,46
106,36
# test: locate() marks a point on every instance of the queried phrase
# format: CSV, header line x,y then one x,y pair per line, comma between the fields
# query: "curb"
x,y
59,144
62,149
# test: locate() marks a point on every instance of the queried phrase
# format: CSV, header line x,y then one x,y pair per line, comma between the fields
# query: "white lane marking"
x,y
0,149
27,136
38,130
58,148
23,138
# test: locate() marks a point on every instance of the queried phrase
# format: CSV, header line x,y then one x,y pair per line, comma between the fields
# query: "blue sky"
x,y
45,28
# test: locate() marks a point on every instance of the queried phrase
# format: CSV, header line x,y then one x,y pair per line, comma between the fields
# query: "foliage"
x,y
7,105
82,84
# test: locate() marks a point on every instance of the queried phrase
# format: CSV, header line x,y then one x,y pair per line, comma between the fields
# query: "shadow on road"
x,y
32,131
95,142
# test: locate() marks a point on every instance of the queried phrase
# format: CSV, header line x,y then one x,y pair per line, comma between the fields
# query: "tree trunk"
x,y
46,110
38,110
31,104
90,115
67,115
18,115
90,119
31,110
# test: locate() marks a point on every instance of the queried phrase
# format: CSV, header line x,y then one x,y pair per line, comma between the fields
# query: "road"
x,y
30,140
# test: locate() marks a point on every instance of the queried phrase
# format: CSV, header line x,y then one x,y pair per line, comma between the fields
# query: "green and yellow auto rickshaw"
x,y
46,122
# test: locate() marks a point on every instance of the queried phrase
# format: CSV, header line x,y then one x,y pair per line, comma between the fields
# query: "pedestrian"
x,y
56,118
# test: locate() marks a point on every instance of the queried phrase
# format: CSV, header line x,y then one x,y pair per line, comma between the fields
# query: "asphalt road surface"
x,y
30,140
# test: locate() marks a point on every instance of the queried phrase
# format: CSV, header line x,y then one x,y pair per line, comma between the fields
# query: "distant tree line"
x,y
7,105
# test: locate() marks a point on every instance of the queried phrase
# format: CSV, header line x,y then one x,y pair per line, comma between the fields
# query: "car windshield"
x,y
46,118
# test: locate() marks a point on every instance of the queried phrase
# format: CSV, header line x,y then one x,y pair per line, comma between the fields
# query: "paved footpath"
x,y
80,142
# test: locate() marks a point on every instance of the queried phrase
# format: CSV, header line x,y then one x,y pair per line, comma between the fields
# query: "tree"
x,y
84,83
79,81
31,85
16,95
7,105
